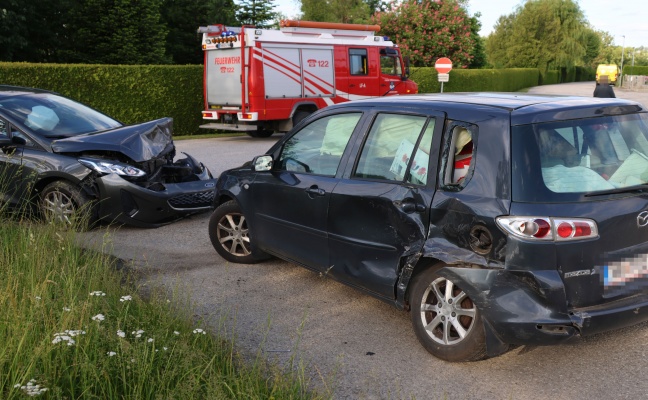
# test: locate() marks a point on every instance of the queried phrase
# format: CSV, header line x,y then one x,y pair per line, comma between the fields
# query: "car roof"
x,y
523,108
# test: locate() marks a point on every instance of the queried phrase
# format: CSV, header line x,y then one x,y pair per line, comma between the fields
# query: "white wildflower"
x,y
97,293
98,317
138,333
150,340
68,309
176,333
121,333
125,298
165,348
32,388
38,298
198,331
66,336
111,353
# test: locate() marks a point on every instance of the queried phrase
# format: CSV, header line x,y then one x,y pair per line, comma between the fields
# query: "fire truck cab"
x,y
264,80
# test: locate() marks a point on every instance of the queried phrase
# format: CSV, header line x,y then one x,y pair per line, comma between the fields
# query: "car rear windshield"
x,y
579,160
53,116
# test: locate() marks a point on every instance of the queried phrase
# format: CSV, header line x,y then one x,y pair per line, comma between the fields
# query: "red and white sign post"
x,y
443,66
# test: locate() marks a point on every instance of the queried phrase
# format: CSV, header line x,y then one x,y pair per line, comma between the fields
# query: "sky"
x,y
627,18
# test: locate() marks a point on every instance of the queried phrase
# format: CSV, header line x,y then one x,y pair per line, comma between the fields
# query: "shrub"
x,y
129,93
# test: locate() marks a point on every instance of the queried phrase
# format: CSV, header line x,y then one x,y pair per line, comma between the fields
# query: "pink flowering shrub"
x,y
426,30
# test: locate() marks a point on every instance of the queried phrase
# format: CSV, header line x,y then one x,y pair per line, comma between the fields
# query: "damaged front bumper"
x,y
124,202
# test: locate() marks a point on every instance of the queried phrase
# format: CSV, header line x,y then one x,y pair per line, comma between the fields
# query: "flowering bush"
x,y
426,30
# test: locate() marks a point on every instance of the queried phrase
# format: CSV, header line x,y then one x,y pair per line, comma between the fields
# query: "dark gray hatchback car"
x,y
494,219
64,157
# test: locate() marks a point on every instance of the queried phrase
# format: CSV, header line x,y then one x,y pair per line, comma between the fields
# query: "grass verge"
x,y
74,326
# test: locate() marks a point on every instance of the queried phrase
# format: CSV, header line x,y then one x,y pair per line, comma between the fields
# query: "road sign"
x,y
444,77
443,65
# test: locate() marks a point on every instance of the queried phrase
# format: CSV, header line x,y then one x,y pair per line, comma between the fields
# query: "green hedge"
x,y
138,93
131,94
476,80
636,70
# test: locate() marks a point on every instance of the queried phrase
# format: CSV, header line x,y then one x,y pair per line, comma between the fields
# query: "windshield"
x,y
53,116
569,160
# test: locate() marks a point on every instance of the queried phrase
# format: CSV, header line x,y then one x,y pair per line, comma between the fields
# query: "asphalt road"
x,y
351,345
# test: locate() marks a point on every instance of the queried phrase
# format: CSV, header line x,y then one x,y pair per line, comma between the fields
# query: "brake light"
x,y
549,229
207,115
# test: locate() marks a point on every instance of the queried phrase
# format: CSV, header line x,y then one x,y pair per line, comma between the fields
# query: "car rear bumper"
x,y
124,202
530,308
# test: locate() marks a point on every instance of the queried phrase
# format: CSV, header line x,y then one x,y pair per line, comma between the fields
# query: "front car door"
x,y
379,212
291,201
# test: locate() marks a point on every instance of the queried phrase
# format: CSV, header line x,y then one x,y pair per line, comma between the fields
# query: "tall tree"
x,y
31,30
259,13
116,32
542,34
428,29
183,17
344,11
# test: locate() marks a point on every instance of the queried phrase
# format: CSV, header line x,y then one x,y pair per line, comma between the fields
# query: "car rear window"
x,y
580,159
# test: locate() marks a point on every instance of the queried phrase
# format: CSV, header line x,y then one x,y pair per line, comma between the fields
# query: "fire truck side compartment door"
x,y
282,72
223,84
318,72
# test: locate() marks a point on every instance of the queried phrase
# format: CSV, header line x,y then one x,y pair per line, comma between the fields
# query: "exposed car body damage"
x,y
72,154
531,227
141,142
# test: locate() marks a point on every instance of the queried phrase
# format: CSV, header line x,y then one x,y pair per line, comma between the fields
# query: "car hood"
x,y
139,142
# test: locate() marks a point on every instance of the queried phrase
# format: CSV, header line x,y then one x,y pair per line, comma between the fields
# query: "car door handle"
x,y
314,190
409,206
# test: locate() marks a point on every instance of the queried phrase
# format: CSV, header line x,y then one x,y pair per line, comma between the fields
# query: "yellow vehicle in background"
x,y
611,70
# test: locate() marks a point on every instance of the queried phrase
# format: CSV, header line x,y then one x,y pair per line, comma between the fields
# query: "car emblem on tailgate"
x,y
642,219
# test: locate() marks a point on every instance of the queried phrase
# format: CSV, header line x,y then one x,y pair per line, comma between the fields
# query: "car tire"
x,y
229,234
62,202
445,319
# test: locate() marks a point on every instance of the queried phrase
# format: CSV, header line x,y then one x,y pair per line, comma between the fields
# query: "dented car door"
x,y
379,213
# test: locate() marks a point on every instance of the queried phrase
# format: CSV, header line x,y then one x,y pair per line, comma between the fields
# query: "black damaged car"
x,y
494,219
70,161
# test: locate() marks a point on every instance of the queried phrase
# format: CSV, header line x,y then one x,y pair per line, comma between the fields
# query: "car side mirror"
x,y
262,163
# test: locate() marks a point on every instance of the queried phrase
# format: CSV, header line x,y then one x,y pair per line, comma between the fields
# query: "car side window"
x,y
388,152
458,156
318,147
3,128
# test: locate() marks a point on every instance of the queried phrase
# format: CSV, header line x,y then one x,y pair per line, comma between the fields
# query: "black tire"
x,y
445,320
260,133
228,232
64,203
299,116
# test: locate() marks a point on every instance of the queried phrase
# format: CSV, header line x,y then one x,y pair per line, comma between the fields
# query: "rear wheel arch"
x,y
445,319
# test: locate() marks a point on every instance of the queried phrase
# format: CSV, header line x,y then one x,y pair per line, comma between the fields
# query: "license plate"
x,y
622,272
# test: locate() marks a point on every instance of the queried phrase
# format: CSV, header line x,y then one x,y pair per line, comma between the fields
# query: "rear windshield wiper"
x,y
629,189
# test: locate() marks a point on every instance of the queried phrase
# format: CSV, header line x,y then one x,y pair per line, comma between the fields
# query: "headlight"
x,y
106,167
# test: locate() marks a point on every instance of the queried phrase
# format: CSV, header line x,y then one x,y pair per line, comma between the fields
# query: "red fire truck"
x,y
266,80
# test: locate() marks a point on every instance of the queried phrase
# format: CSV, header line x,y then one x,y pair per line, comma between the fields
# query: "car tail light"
x,y
549,229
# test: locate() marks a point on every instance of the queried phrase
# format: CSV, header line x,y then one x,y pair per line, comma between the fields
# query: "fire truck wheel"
x,y
299,116
260,133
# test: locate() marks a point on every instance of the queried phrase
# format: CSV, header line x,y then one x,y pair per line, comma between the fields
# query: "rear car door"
x,y
379,212
291,202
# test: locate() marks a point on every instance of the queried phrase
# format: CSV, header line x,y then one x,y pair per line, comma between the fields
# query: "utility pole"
x,y
622,53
